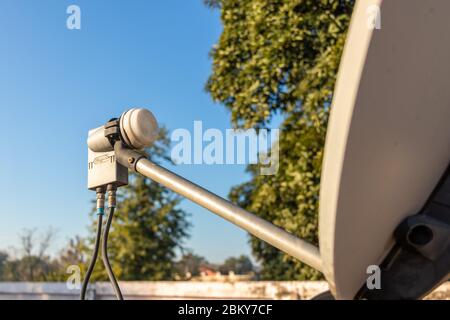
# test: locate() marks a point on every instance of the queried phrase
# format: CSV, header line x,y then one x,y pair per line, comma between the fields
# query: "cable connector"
x,y
100,201
112,197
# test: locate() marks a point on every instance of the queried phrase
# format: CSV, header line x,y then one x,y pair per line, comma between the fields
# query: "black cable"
x,y
93,259
105,258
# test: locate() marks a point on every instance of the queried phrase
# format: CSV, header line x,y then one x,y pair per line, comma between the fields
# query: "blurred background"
x,y
228,63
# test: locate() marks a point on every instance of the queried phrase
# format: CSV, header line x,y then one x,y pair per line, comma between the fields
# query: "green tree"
x,y
74,253
280,57
3,261
190,264
33,262
148,227
239,265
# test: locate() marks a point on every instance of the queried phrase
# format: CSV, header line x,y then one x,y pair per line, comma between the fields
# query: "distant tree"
x,y
74,253
214,4
190,263
280,57
34,263
239,265
148,227
3,261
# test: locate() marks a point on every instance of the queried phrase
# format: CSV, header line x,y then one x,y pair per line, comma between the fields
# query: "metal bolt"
x,y
131,160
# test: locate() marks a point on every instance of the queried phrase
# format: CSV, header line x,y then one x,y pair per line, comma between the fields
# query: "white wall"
x,y
180,290
167,290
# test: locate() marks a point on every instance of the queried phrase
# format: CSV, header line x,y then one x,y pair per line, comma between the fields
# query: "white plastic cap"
x,y
138,128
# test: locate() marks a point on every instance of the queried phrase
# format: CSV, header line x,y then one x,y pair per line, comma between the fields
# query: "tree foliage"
x,y
33,262
280,57
189,265
3,264
238,265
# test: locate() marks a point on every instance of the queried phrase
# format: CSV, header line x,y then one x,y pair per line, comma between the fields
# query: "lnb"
x,y
136,128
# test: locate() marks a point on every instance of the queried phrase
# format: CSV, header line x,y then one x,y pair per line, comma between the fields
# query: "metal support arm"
x,y
255,225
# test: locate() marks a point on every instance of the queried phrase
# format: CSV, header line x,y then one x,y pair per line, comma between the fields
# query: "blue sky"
x,y
56,84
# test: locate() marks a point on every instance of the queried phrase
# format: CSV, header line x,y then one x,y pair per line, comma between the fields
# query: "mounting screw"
x,y
131,160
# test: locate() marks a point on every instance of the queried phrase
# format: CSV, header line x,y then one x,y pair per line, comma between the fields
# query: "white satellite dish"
x,y
388,141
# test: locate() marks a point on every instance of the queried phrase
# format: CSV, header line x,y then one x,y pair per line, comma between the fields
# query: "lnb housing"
x,y
103,169
136,129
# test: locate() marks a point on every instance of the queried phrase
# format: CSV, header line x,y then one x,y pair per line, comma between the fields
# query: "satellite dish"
x,y
388,140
